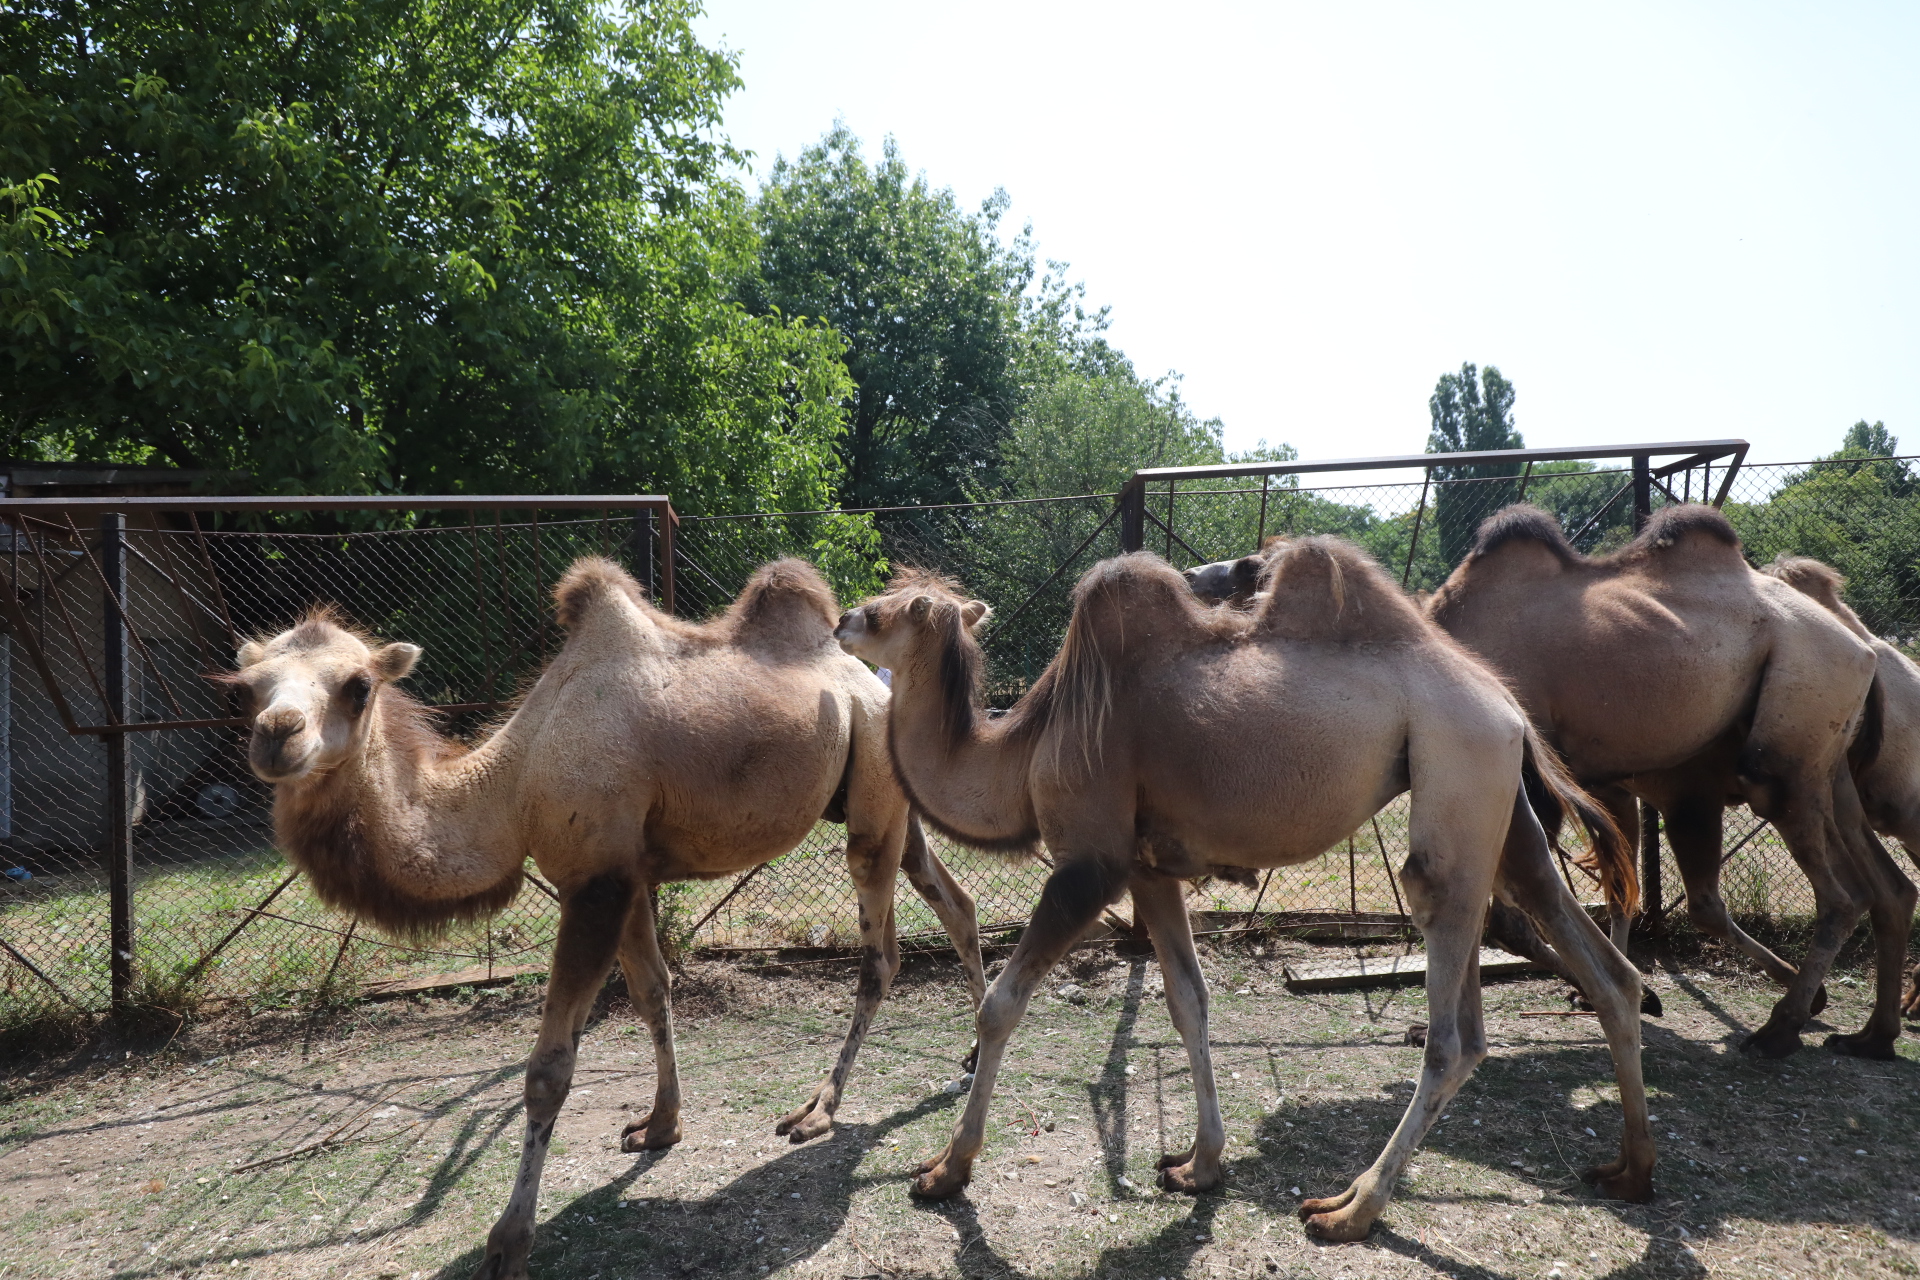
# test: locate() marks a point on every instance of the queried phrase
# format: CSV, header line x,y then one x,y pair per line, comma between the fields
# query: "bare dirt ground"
x,y
136,1163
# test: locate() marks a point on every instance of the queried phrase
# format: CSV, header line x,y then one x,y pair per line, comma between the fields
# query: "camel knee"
x,y
999,1014
547,1085
1708,911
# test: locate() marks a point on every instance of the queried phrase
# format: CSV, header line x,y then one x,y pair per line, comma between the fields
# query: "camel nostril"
x,y
281,724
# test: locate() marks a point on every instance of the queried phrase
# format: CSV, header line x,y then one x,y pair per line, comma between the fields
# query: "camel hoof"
x,y
1861,1044
1325,1206
813,1125
939,1179
1417,1035
642,1135
1772,1042
1612,1182
1338,1227
972,1060
1184,1179
1650,1006
1819,1002
497,1265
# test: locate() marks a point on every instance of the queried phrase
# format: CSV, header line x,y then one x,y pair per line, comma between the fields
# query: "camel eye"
x,y
356,691
873,618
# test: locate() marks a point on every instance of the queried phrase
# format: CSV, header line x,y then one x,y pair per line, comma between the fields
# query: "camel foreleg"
x,y
1160,904
954,906
591,921
1074,896
1527,878
649,986
873,862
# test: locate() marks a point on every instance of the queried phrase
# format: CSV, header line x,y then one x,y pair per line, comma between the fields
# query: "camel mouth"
x,y
281,760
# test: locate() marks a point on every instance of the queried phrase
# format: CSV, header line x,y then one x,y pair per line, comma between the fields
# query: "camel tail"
x,y
1553,793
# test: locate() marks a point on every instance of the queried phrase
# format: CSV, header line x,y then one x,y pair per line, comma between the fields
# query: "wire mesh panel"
x,y
216,912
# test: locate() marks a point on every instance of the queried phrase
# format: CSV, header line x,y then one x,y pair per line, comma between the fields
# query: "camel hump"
x,y
1523,522
785,600
587,582
1670,526
1820,581
1325,588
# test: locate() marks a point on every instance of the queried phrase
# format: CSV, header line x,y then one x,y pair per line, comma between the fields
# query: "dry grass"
x,y
124,1166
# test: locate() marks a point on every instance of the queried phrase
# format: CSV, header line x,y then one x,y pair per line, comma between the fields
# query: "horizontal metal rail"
x,y
409,502
1695,452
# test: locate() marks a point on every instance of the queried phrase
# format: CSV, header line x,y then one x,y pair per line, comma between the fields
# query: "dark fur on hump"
x,y
320,824
1523,522
1325,588
1670,524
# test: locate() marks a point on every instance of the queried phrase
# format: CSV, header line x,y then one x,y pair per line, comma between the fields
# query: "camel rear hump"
x,y
589,581
1325,588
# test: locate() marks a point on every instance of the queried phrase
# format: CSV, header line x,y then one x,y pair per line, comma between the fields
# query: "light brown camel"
x,y
1167,741
1889,784
1673,672
650,749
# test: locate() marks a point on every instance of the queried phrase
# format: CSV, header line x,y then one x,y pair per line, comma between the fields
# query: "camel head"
x,y
884,629
1226,581
310,690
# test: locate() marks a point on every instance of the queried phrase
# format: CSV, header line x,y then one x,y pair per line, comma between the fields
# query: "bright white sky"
x,y
1661,221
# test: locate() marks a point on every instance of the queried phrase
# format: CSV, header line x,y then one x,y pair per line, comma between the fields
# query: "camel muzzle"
x,y
280,748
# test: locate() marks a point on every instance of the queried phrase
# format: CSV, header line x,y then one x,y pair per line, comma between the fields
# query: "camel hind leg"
x,y
649,987
1448,880
591,922
874,861
1890,901
1161,905
1528,879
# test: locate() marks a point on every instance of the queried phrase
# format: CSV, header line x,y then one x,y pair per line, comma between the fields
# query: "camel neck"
x,y
973,785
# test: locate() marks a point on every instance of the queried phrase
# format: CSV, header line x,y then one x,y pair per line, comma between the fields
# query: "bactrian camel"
x,y
1168,741
1889,783
1673,672
650,749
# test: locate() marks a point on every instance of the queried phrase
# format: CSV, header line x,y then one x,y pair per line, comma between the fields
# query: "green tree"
x,y
929,302
1857,510
414,245
1471,411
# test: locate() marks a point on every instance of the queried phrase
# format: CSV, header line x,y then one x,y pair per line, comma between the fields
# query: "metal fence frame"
x,y
122,647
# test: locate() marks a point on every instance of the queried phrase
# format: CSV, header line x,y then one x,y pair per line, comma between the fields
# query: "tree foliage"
x,y
398,244
1470,411
947,329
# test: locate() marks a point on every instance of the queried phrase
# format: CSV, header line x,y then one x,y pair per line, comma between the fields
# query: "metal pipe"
x,y
119,844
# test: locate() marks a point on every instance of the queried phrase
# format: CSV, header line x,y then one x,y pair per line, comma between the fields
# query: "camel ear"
x,y
249,653
975,612
921,607
395,661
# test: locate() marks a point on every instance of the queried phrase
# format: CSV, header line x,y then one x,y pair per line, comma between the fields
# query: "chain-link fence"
x,y
215,912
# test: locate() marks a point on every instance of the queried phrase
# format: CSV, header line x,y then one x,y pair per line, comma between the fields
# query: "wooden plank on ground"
x,y
480,976
1387,971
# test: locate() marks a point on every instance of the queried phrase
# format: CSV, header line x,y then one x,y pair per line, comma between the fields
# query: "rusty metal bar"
x,y
249,918
1413,544
119,850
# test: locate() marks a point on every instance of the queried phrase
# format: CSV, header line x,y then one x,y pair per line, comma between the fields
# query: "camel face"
x,y
883,630
1226,580
310,688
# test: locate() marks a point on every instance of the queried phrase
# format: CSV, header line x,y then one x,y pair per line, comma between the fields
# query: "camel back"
x,y
786,605
1702,536
1325,588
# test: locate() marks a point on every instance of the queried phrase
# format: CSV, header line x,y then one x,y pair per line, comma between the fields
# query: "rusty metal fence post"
x,y
119,833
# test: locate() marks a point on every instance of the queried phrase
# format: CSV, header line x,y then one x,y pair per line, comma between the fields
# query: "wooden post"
x,y
119,850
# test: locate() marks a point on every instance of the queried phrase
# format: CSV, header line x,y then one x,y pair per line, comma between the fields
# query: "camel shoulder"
x,y
1325,588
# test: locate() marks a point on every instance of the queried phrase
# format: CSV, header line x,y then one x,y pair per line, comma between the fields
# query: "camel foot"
x,y
940,1177
1862,1044
1650,1006
644,1135
1340,1219
1910,1002
1772,1042
972,1060
1417,1035
1185,1176
1819,1002
1613,1182
810,1120
505,1259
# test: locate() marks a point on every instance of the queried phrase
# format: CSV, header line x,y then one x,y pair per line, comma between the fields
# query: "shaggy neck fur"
x,y
399,834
